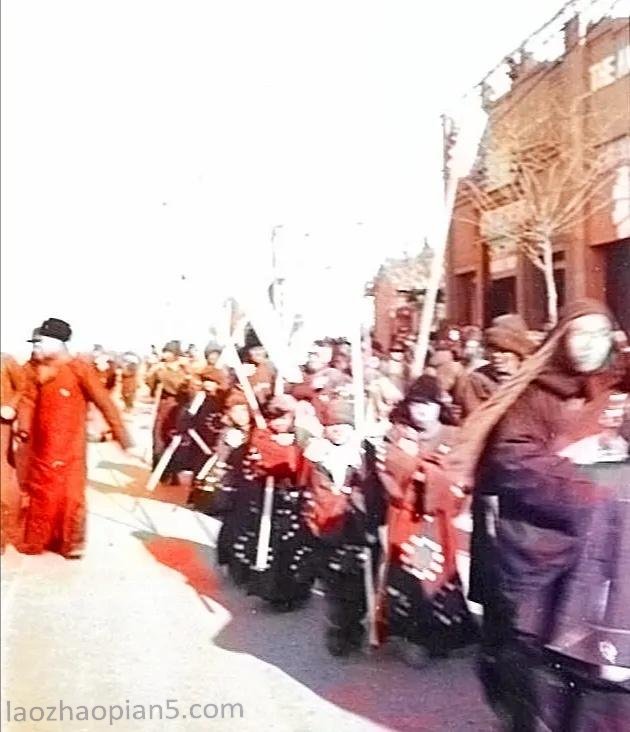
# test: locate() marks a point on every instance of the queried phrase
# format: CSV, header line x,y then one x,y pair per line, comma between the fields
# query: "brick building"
x,y
593,258
398,292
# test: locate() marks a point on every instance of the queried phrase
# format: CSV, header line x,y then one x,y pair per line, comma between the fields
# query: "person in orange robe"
x,y
12,385
52,422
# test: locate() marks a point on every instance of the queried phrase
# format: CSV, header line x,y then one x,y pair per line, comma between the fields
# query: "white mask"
x,y
46,347
589,341
425,416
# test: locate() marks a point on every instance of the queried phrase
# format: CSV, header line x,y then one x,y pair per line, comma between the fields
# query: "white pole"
x,y
358,380
463,157
264,531
433,287
358,385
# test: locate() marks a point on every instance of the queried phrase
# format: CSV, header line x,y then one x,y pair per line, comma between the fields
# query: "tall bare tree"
x,y
542,171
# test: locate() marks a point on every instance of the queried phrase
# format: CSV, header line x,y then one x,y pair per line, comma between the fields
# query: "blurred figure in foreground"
x,y
535,511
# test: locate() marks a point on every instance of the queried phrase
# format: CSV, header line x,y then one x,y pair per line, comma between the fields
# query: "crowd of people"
x,y
530,435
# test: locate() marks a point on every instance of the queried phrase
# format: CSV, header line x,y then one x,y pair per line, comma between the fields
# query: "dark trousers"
x,y
343,574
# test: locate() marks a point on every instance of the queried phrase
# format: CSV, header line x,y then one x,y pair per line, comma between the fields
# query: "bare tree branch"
x,y
543,171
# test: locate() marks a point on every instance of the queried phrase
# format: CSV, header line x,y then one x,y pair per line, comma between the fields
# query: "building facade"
x,y
592,258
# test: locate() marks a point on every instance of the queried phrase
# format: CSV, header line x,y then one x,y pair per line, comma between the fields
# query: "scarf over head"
x,y
462,461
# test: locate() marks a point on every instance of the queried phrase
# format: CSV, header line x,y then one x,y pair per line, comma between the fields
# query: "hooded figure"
x,y
533,511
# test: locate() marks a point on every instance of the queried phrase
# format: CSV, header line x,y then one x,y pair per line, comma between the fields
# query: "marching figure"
x,y
105,368
225,491
52,421
279,548
171,380
422,601
206,420
259,369
508,344
344,512
129,379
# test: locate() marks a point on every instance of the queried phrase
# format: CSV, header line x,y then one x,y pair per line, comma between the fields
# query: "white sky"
x,y
143,139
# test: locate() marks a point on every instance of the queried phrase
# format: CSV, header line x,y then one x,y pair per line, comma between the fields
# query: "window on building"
x,y
502,296
465,297
617,258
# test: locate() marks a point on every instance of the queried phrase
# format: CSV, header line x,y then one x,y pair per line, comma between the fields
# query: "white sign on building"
x,y
610,69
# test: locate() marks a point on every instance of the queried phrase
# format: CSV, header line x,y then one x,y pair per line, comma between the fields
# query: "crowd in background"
x,y
510,426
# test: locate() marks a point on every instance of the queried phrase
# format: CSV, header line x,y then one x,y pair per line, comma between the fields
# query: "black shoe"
x,y
338,645
356,635
238,573
283,606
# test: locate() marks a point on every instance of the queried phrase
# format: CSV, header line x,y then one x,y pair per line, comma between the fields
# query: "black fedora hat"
x,y
53,328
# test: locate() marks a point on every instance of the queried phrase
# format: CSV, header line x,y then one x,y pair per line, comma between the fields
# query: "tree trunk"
x,y
550,282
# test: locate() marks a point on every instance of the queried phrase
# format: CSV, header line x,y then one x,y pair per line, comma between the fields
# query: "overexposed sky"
x,y
145,139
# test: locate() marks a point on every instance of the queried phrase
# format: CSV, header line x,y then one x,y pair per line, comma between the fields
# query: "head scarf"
x,y
462,460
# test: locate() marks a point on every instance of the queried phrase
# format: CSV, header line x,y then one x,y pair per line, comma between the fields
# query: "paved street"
x,y
145,617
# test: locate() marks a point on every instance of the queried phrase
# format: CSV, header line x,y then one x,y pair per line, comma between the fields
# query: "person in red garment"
x,y
11,386
52,423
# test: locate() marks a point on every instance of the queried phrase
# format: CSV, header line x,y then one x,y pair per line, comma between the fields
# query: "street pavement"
x,y
147,617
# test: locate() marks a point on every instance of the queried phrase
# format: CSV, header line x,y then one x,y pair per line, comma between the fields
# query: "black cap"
x,y
425,389
174,347
252,341
52,328
212,347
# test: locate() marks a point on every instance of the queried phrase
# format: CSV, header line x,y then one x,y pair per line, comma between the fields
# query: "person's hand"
x,y
7,413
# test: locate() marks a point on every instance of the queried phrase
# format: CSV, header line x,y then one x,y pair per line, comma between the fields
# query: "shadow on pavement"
x,y
373,685
134,484
192,560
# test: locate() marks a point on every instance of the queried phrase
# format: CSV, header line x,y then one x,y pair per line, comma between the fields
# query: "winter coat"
x,y
52,418
531,509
